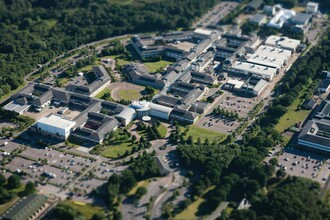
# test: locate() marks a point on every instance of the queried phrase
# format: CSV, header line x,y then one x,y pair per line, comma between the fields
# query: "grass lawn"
x,y
116,149
190,211
121,61
6,96
154,66
9,204
117,146
203,134
63,81
129,94
292,116
143,183
285,140
87,210
162,130
100,94
6,206
299,9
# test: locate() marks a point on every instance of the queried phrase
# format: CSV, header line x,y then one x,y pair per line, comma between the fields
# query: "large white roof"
x,y
126,114
274,52
57,121
203,31
266,61
282,42
11,106
237,84
160,108
258,69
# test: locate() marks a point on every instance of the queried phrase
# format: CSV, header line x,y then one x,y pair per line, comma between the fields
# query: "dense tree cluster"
x,y
142,167
34,31
13,182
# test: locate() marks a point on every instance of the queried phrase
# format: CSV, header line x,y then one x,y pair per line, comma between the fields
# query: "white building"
x,y
126,116
145,108
265,61
273,52
282,42
202,33
312,7
55,125
258,71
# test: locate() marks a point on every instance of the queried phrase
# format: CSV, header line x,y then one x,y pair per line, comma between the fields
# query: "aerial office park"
x,y
207,66
97,109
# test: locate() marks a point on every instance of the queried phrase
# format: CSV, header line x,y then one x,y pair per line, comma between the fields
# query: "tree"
x,y
128,181
133,138
66,212
2,180
280,173
98,216
13,182
141,191
4,195
29,189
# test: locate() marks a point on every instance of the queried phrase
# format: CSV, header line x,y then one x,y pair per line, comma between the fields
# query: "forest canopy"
x,y
35,31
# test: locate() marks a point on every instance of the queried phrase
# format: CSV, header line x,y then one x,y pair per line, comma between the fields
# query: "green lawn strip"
x,y
162,130
293,115
154,66
7,205
121,61
117,149
88,210
129,94
143,183
203,134
101,94
6,96
191,211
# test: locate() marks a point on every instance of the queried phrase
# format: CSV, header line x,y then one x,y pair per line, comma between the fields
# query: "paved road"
x,y
217,213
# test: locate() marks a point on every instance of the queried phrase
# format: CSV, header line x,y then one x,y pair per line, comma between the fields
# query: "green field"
x,y
154,66
162,130
190,211
87,210
116,149
203,134
143,183
117,146
101,94
6,206
6,96
292,116
120,60
129,94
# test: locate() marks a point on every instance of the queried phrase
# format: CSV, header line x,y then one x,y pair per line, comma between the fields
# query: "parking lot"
x,y
36,170
9,146
58,159
216,14
305,164
241,105
219,124
87,185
